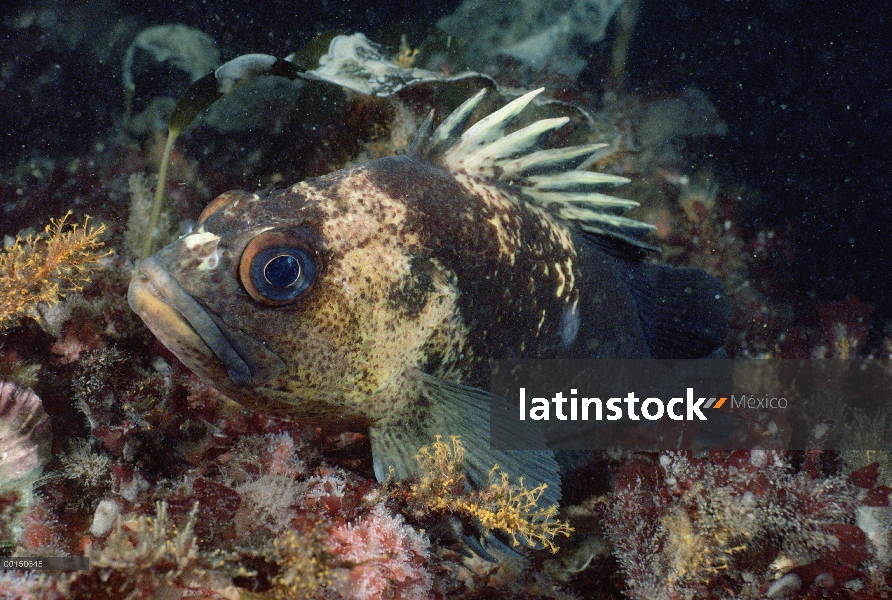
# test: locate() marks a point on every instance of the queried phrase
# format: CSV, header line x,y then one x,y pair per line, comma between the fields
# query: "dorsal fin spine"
x,y
489,128
548,159
450,129
551,178
512,144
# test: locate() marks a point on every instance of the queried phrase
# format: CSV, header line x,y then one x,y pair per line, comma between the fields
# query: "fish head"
x,y
296,302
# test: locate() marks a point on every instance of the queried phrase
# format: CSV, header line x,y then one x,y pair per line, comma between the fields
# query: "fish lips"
x,y
188,330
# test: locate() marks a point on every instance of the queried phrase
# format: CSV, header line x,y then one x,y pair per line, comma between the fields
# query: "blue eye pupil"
x,y
282,271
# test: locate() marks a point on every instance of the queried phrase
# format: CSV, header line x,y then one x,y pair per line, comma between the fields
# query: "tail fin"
x,y
685,312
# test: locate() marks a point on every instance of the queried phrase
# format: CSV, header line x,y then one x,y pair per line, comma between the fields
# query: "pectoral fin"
x,y
451,409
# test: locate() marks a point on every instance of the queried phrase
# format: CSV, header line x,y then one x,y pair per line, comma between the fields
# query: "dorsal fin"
x,y
550,178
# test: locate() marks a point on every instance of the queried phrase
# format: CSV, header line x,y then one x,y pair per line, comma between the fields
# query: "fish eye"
x,y
281,273
275,269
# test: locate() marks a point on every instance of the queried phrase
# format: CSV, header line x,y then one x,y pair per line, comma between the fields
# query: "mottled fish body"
x,y
375,296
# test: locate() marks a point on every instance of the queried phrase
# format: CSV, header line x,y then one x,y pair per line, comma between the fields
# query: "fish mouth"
x,y
181,323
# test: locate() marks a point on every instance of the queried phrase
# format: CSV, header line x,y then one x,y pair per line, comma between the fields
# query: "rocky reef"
x,y
172,490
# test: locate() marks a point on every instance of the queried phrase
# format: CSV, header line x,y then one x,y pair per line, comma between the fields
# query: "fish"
x,y
376,296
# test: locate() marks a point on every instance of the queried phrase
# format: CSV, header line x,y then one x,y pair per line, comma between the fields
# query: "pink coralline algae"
x,y
387,554
305,531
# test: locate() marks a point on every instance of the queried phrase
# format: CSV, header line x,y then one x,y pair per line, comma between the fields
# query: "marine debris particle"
x,y
406,57
45,267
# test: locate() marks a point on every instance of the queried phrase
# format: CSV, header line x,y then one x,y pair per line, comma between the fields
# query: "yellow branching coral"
x,y
443,479
501,506
47,266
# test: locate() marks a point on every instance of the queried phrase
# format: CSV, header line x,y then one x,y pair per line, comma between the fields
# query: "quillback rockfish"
x,y
375,296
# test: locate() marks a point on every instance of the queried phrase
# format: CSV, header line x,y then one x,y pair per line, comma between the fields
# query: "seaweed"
x,y
198,97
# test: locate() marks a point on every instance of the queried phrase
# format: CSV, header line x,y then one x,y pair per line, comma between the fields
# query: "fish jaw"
x,y
188,330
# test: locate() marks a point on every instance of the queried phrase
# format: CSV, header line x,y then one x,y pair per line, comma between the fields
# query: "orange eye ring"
x,y
276,268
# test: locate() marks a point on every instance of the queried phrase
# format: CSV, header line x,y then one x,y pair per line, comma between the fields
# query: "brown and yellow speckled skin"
x,y
417,269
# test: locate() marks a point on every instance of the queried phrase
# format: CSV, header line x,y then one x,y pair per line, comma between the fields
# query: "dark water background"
x,y
806,91
803,86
